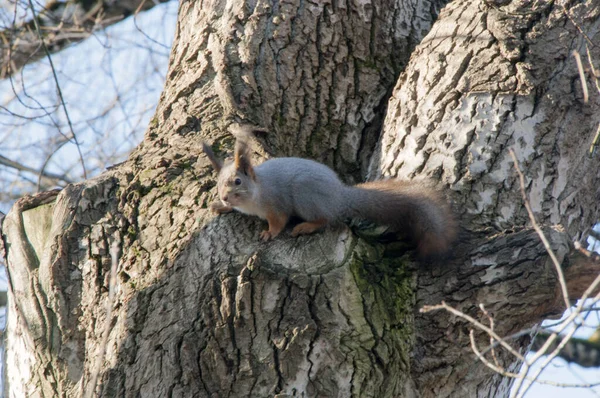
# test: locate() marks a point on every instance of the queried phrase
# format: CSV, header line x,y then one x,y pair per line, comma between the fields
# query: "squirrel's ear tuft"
x,y
246,131
217,164
242,158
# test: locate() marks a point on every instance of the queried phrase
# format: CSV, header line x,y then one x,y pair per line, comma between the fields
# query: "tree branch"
x,y
580,351
43,173
61,23
581,269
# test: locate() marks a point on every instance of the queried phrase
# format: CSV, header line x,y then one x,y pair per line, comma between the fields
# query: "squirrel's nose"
x,y
225,197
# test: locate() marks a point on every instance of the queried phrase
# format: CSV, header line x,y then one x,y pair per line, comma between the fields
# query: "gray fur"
x,y
301,187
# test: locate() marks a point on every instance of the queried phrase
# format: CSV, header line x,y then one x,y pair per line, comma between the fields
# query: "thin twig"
x,y
498,369
595,73
491,319
135,14
566,322
561,277
473,321
495,367
542,351
47,160
586,37
595,142
581,76
60,95
550,357
21,167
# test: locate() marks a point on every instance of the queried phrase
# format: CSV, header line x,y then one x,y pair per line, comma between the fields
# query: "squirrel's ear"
x,y
246,131
217,164
242,158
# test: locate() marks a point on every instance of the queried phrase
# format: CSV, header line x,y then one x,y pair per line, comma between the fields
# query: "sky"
x,y
561,372
110,82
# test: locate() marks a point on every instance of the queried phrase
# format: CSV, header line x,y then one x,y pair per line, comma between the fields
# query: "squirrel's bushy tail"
x,y
406,206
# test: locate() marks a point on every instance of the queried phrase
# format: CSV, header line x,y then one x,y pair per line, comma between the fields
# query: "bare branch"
x,y
473,321
492,345
498,369
581,76
62,24
561,278
580,351
549,358
62,100
42,173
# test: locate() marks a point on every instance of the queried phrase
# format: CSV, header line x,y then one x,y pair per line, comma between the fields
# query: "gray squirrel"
x,y
281,188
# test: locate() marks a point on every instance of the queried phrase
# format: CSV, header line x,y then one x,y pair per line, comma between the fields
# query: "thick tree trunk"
x,y
203,309
486,80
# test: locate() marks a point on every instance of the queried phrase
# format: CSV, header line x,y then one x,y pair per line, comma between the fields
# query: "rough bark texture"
x,y
61,24
203,309
317,75
494,81
484,80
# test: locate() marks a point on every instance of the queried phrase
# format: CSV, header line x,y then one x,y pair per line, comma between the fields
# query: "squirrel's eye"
x,y
237,181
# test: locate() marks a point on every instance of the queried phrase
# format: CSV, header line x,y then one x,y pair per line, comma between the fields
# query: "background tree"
x,y
200,307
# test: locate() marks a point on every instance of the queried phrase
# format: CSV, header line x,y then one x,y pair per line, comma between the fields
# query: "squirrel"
x,y
280,188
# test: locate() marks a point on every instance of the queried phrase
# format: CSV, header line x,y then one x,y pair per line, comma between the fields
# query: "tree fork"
x,y
202,308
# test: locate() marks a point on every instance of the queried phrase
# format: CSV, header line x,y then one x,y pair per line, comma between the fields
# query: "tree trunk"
x,y
202,308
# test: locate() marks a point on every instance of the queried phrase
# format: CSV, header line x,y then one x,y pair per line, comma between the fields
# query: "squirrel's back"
x,y
301,187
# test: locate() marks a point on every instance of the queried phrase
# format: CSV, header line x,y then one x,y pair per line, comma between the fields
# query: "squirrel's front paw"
x,y
219,208
265,235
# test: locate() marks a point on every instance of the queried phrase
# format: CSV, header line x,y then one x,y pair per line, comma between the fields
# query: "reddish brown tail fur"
x,y
406,205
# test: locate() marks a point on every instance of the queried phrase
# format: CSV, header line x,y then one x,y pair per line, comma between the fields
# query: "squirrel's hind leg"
x,y
308,227
276,222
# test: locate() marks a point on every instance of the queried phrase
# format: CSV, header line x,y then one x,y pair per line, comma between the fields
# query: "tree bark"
x,y
203,309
